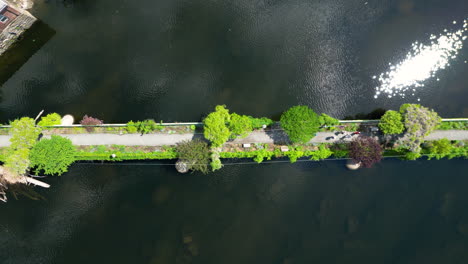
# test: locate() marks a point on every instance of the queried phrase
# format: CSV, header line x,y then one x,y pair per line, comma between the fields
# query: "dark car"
x,y
328,138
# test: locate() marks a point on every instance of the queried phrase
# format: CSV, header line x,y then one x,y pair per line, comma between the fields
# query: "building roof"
x,y
3,5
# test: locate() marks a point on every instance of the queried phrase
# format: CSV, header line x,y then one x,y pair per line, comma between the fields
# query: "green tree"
x,y
326,120
53,156
18,161
300,123
24,133
240,126
50,120
195,153
215,129
391,123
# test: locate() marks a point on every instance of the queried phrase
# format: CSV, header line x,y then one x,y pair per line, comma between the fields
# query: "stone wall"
x,y
14,31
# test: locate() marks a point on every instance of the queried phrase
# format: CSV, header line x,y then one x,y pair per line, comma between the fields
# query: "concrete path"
x,y
276,136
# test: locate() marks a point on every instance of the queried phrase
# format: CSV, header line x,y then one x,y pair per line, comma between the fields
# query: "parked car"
x,y
328,138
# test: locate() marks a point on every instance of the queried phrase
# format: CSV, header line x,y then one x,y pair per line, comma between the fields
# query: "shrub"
x,y
259,122
340,150
132,127
326,120
300,123
90,121
215,129
50,120
322,153
195,153
240,126
365,150
146,126
440,148
53,156
391,123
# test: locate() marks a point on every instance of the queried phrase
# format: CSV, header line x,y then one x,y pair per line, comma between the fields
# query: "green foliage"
x,y
295,153
50,120
300,123
104,153
146,126
322,153
215,129
215,161
455,125
53,156
24,133
195,153
18,161
440,148
193,127
131,127
412,155
259,122
391,123
340,150
143,127
326,120
240,126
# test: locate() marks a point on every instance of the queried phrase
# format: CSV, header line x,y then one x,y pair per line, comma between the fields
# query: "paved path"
x,y
276,136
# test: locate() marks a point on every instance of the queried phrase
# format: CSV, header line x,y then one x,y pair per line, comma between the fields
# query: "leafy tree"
x,y
365,150
195,153
240,126
18,161
53,156
419,122
50,120
326,120
24,133
215,129
300,123
90,121
391,123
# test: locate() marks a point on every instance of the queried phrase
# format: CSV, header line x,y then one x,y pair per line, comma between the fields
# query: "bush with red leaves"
x,y
365,150
90,121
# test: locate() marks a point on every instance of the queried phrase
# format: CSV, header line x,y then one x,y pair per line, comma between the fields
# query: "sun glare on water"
x,y
421,63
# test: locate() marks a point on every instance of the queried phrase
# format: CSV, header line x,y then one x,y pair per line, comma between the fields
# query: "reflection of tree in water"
x,y
17,190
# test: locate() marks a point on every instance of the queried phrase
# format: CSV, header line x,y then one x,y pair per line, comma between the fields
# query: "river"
x,y
174,61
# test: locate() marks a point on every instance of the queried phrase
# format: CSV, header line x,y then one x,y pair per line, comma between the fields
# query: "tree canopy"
x,y
53,156
391,123
215,128
195,153
24,133
326,120
300,123
50,120
419,122
240,126
365,150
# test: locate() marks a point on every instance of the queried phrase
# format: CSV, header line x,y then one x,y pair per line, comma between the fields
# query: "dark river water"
x,y
174,60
